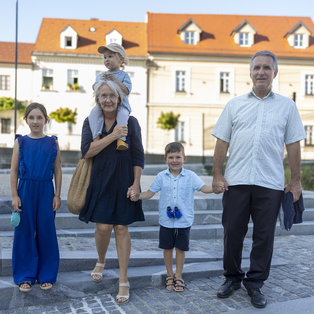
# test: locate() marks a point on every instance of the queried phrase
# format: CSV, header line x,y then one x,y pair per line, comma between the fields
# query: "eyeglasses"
x,y
110,97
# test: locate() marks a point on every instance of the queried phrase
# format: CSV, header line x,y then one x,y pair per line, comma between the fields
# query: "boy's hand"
x,y
16,203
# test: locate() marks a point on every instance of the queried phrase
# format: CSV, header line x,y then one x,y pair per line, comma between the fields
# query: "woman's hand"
x,y
56,203
132,194
133,191
16,203
120,131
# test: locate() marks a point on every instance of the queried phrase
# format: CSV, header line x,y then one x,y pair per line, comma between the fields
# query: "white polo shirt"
x,y
257,130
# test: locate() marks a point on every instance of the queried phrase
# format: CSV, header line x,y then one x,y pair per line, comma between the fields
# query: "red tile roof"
x,y
24,52
215,39
134,36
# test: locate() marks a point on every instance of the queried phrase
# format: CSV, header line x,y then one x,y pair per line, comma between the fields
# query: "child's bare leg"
x,y
180,257
168,258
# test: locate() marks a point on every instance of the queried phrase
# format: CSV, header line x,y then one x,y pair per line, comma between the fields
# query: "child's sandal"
x,y
170,283
25,286
179,285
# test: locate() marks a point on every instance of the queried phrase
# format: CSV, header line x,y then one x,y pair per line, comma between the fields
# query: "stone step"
x,y
201,217
85,261
201,202
209,202
198,232
78,283
70,221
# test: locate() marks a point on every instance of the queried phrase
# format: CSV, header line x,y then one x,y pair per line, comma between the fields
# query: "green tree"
x,y
63,115
7,103
168,121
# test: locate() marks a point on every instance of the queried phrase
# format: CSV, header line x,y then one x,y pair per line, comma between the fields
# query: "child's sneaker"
x,y
121,145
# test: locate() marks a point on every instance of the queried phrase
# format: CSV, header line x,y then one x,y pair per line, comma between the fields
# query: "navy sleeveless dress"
x,y
112,175
35,255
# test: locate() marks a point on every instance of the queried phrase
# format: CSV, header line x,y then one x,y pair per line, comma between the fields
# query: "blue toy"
x,y
174,213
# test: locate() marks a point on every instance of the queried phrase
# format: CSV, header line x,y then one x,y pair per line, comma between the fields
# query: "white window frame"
x,y
180,81
244,39
189,38
309,131
47,73
4,82
224,83
181,132
6,125
230,72
308,82
68,41
298,40
72,77
187,83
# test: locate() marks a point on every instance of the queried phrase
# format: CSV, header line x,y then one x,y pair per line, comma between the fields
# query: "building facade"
x,y
190,64
200,62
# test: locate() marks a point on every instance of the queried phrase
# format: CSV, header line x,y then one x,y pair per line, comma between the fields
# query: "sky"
x,y
31,12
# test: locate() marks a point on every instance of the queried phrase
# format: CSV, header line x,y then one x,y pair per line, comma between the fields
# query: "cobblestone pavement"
x,y
292,281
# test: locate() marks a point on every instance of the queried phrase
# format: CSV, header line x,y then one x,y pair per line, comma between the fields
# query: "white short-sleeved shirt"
x,y
257,130
176,191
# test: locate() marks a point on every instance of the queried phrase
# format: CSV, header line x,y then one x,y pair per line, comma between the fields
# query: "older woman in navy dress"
x,y
114,174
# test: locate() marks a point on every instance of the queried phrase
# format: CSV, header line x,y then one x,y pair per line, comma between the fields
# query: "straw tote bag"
x,y
79,184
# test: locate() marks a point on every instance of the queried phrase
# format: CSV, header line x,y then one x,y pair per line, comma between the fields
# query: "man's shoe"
x,y
258,299
227,288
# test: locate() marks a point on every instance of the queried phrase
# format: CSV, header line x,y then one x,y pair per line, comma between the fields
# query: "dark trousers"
x,y
240,203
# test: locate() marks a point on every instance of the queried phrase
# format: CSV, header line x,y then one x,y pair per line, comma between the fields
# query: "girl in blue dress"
x,y
35,160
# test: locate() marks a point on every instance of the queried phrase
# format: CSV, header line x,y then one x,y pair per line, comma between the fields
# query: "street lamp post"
x,y
16,46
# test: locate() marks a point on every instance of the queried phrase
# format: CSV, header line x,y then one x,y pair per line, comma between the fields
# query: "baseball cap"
x,y
113,47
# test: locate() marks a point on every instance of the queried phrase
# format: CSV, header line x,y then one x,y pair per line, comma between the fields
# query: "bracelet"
x,y
57,196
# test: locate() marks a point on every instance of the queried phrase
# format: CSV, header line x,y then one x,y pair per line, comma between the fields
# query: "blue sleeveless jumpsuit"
x,y
35,253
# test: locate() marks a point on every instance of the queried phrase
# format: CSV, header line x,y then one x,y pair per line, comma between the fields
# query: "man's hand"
x,y
220,184
295,188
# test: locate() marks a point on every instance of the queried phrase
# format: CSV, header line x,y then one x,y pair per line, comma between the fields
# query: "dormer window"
x,y
68,41
68,38
299,36
189,38
244,34
244,39
298,40
190,32
113,37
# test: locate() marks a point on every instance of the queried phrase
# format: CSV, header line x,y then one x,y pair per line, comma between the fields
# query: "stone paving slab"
x,y
79,283
289,282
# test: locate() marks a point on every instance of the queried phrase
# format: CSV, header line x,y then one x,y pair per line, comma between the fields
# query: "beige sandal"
x,y
97,276
25,286
45,285
125,297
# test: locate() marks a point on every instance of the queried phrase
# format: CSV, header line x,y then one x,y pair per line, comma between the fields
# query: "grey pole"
x,y
16,43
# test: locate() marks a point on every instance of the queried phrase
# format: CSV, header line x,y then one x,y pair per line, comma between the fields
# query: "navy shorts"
x,y
174,237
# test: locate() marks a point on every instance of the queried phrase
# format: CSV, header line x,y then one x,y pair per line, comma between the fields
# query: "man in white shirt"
x,y
255,128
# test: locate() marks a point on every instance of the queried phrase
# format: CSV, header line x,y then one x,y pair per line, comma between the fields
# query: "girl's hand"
x,y
16,203
109,76
120,131
56,203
